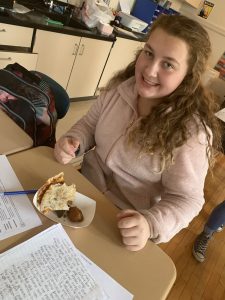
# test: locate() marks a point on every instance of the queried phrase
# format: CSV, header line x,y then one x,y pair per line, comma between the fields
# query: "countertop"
x,y
22,20
36,19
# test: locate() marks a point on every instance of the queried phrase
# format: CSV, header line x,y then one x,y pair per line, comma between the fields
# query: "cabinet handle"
x,y
5,58
2,30
75,50
81,49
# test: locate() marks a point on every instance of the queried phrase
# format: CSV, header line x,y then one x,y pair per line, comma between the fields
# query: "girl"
x,y
150,134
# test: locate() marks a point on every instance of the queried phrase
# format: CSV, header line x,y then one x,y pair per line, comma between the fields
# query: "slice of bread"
x,y
55,194
59,178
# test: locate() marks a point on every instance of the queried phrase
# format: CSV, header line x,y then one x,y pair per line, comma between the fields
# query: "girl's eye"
x,y
148,53
168,65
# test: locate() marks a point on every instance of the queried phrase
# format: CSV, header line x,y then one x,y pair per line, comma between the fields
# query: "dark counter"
x,y
24,21
38,19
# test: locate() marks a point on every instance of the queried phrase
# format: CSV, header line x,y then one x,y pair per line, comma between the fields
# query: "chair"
x,y
62,100
23,100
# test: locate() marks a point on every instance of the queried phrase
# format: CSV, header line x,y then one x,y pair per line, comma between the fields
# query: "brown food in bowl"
x,y
55,195
75,214
60,213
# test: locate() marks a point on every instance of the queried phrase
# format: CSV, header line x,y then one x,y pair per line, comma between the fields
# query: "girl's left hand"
x,y
134,229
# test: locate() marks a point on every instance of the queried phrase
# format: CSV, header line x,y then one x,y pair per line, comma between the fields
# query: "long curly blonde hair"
x,y
166,127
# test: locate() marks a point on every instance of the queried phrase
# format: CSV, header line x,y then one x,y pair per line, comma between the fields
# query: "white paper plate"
x,y
85,204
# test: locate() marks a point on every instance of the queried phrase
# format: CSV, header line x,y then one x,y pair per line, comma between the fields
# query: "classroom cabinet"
x,y
89,63
55,54
27,60
74,62
122,53
17,36
12,35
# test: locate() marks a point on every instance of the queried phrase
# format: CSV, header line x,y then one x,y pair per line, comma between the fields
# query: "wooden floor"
x,y
195,280
75,112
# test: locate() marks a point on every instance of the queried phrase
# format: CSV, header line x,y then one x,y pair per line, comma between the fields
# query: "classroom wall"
x,y
216,16
214,24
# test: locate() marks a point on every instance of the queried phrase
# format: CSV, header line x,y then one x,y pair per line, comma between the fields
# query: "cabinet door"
x,y
13,35
88,66
122,53
56,53
27,60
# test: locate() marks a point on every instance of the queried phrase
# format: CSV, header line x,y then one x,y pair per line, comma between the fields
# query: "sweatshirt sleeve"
x,y
183,191
84,129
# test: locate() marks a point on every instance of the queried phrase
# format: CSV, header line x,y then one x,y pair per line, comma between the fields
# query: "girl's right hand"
x,y
65,149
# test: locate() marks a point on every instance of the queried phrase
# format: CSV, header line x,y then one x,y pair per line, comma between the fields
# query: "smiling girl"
x,y
151,134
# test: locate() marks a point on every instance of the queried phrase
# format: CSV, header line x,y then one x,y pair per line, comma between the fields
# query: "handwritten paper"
x,y
16,212
112,287
48,266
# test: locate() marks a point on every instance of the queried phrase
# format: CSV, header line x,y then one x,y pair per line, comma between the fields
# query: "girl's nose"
x,y
152,69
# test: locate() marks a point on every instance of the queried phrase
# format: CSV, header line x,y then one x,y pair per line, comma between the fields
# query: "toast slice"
x,y
55,194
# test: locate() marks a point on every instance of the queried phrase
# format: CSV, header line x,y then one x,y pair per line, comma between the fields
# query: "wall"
x,y
216,16
215,25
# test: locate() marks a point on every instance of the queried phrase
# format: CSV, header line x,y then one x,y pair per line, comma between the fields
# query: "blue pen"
x,y
18,192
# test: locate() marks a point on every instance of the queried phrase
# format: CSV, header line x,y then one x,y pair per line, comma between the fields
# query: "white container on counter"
x,y
132,22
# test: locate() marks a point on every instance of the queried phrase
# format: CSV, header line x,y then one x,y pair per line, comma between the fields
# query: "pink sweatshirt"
x,y
169,199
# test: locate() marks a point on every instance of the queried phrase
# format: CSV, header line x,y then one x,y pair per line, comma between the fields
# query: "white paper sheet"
x,y
48,266
221,114
116,291
16,212
125,6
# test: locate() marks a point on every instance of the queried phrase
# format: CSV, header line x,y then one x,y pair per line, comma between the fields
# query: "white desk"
x,y
13,138
147,274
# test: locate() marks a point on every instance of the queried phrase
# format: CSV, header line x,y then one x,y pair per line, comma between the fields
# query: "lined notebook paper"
x,y
49,266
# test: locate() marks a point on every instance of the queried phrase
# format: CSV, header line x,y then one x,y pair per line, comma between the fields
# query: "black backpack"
x,y
28,99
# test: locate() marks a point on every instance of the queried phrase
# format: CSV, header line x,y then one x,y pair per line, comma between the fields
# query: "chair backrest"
x,y
29,101
62,100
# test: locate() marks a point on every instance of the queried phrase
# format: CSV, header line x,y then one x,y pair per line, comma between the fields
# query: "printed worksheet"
x,y
16,212
49,266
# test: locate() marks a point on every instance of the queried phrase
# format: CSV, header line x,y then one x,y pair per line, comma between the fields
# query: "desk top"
x,y
13,138
147,274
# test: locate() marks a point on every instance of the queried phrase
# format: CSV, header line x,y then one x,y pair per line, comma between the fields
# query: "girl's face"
x,y
161,66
